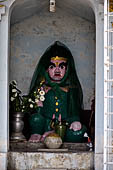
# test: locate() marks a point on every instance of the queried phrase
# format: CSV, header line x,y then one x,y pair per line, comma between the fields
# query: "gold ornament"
x,y
56,103
56,109
59,58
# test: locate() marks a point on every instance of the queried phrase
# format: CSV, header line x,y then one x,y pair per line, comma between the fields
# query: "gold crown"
x,y
59,58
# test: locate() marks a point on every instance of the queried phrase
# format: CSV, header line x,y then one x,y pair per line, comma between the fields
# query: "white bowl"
x,y
53,141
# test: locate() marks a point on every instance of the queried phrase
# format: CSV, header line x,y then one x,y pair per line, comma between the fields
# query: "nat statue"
x,y
55,76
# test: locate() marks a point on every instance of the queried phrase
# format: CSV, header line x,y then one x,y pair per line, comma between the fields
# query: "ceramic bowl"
x,y
53,141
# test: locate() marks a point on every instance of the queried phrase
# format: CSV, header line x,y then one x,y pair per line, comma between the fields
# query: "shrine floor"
x,y
35,156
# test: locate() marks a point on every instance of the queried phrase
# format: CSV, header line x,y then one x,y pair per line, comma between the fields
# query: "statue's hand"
x,y
46,134
35,138
75,126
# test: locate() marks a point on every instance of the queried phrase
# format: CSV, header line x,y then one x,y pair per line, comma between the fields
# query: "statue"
x,y
55,74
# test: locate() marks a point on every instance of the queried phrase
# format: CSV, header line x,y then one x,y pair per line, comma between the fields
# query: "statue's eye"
x,y
51,67
62,66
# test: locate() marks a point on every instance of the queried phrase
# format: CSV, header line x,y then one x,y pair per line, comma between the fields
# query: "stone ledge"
x,y
47,160
35,156
34,147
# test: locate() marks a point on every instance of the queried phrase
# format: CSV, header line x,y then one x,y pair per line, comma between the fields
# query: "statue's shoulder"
x,y
68,88
65,89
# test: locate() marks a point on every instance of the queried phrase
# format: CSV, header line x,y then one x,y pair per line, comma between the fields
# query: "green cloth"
x,y
70,103
40,121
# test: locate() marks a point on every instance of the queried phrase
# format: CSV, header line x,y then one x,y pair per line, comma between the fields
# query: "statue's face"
x,y
57,69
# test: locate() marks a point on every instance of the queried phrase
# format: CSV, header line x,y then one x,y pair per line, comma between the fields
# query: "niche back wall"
x,y
31,37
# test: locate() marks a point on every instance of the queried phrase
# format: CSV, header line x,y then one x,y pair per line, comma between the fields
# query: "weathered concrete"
x,y
33,161
30,156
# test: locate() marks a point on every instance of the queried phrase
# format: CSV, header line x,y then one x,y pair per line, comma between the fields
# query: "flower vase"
x,y
17,126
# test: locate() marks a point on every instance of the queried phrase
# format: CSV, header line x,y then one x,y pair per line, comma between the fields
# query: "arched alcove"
x,y
35,28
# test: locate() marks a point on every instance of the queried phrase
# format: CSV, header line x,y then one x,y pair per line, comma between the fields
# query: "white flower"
x,y
12,99
15,94
31,105
22,110
32,101
36,100
14,90
29,100
23,106
42,92
42,98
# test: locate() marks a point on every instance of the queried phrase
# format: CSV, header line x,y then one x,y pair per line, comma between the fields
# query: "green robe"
x,y
40,121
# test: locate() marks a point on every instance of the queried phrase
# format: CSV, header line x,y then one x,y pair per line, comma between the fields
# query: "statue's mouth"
x,y
57,74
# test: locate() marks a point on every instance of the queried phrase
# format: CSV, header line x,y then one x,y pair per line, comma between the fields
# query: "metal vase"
x,y
17,126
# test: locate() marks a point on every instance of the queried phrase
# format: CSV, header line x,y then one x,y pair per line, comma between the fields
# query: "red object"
x,y
89,140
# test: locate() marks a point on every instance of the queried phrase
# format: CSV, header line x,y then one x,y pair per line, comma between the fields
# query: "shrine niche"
x,y
28,44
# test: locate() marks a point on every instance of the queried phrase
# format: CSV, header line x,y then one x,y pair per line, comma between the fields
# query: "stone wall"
x,y
31,37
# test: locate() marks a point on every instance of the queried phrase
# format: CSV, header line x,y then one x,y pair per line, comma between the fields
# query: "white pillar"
x,y
4,26
99,110
4,110
5,13
99,84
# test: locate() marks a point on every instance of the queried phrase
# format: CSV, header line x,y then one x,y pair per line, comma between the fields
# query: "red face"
x,y
57,69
